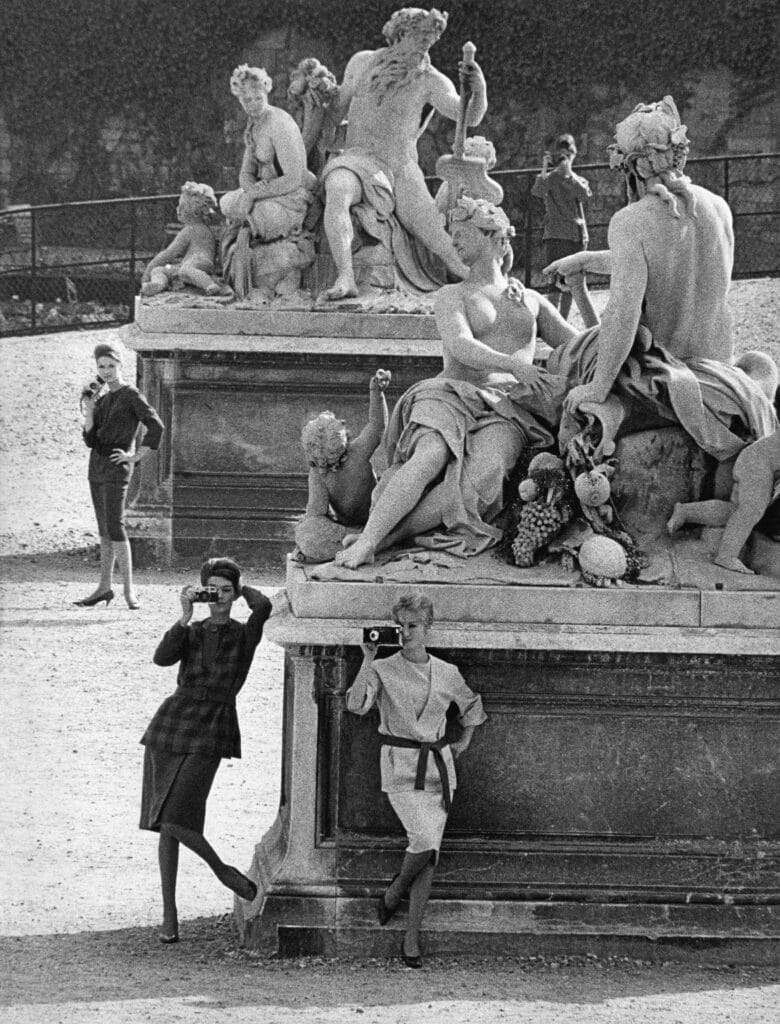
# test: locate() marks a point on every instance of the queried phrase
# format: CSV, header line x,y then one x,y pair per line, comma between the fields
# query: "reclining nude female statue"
x,y
453,439
664,352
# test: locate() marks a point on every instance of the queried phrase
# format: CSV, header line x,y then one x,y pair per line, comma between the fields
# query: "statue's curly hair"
x,y
325,440
407,18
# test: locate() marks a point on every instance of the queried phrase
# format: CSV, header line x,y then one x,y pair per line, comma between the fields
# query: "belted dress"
x,y
417,767
197,725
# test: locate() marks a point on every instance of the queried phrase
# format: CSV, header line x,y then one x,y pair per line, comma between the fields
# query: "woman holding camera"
x,y
413,692
197,726
113,411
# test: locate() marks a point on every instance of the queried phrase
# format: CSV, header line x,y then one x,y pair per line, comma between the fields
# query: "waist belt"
x,y
422,762
202,693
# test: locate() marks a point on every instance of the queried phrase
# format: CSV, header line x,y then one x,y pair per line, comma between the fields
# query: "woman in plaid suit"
x,y
197,726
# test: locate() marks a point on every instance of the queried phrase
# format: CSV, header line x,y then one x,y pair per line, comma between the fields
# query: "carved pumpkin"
x,y
592,489
601,556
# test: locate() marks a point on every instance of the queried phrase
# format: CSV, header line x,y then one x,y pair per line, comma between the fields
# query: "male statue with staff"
x,y
377,176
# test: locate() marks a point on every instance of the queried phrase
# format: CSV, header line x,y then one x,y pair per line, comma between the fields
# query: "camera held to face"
x,y
94,387
205,595
383,636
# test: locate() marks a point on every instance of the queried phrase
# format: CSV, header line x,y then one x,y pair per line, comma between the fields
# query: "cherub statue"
x,y
756,476
341,477
194,248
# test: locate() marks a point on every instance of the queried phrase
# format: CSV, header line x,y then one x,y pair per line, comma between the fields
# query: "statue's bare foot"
x,y
360,552
676,520
152,288
344,287
734,564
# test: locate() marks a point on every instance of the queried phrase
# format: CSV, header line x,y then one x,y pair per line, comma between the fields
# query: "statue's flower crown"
x,y
483,215
246,78
651,140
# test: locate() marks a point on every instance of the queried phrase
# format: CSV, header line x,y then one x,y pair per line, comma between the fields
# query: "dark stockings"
x,y
416,878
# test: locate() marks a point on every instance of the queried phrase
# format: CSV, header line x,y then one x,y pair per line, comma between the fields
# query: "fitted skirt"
x,y
175,789
423,817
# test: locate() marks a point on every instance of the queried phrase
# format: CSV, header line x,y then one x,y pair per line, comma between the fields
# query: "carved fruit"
x,y
600,556
528,490
544,460
592,489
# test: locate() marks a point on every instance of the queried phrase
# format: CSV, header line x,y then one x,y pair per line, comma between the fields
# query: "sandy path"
x,y
79,884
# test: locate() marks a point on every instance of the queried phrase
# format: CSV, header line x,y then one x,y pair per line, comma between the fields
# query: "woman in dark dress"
x,y
197,726
112,414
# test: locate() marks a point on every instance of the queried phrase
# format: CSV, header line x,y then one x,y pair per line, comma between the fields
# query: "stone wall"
x,y
133,154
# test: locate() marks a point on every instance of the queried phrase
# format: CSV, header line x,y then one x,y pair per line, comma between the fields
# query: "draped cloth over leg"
x,y
416,268
472,485
717,404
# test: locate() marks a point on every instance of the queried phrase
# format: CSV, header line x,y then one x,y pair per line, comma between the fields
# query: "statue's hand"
x,y
471,76
534,377
381,379
566,267
583,393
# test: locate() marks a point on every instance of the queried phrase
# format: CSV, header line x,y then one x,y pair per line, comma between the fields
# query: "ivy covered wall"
x,y
122,97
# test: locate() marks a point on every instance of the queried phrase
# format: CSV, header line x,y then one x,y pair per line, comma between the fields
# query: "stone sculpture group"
x,y
333,200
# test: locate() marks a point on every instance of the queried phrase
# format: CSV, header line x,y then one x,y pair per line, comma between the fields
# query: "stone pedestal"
x,y
622,796
234,388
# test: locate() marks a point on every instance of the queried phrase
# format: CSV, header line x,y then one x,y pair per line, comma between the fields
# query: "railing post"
x,y
33,265
726,179
131,282
528,229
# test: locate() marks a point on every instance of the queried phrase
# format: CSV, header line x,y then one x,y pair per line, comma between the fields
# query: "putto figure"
x,y
341,477
378,177
275,183
190,256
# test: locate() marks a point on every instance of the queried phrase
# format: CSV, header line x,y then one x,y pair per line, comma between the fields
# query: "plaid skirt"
x,y
175,789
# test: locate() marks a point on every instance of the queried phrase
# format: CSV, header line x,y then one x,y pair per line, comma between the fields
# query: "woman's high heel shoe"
x,y
133,603
90,602
169,939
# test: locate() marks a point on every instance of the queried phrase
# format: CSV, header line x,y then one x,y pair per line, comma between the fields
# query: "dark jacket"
x,y
200,717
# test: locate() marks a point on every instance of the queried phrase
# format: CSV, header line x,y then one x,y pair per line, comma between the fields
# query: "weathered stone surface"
x,y
612,801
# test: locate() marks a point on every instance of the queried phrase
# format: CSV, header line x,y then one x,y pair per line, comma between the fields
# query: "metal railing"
x,y
70,265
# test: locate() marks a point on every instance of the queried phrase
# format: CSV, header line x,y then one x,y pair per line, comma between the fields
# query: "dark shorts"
x,y
175,789
108,499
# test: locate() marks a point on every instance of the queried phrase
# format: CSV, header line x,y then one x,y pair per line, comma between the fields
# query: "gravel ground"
x,y
79,896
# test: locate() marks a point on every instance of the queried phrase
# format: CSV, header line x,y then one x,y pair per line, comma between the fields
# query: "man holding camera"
x,y
197,725
563,192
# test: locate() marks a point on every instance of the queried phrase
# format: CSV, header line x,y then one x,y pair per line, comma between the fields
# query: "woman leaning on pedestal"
x,y
413,692
113,410
197,726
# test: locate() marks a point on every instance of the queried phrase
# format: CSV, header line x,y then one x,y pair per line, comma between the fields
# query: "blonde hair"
x,y
417,604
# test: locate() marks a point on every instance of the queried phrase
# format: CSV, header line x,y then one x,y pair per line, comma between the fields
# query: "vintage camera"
x,y
94,386
387,636
205,595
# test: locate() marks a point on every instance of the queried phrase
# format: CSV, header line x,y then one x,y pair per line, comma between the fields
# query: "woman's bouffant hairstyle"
x,y
224,567
418,604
